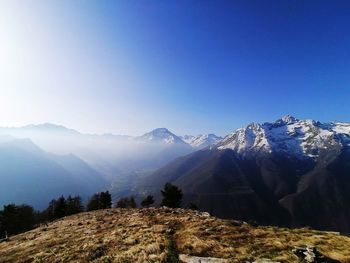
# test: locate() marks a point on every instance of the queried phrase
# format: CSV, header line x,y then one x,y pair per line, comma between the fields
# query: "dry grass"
x,y
145,235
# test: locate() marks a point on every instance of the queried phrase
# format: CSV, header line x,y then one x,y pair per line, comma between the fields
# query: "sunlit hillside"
x,y
165,235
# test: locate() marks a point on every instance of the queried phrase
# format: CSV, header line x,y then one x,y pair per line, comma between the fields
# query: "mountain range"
x,y
41,162
289,172
112,155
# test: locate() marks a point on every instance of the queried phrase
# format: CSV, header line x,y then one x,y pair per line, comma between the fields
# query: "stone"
x,y
310,254
192,259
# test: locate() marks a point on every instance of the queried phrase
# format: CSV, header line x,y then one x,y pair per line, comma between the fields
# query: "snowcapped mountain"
x,y
300,138
202,140
161,135
289,172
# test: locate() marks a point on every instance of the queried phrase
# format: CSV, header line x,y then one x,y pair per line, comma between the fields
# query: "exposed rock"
x,y
193,259
311,255
205,214
170,231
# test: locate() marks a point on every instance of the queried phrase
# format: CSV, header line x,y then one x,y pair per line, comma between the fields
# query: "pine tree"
x,y
126,202
49,213
94,203
60,207
148,201
100,200
172,196
16,219
132,202
122,203
105,200
74,205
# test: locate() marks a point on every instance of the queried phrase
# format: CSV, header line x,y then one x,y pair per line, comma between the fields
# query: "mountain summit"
x,y
289,172
287,119
161,135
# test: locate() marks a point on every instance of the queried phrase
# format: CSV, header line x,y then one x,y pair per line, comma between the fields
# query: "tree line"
x,y
15,219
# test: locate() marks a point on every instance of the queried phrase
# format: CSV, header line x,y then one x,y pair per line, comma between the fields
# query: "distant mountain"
x,y
202,140
30,175
49,127
161,135
158,147
115,156
289,172
37,129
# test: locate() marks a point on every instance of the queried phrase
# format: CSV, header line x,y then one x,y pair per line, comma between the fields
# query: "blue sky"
x,y
192,66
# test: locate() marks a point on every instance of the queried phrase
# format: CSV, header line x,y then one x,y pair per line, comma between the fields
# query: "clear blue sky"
x,y
192,66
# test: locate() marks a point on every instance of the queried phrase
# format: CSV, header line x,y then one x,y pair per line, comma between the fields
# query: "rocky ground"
x,y
169,235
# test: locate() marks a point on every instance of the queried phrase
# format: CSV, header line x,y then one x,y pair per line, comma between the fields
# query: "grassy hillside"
x,y
164,235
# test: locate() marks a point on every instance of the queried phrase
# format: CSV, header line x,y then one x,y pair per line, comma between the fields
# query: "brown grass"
x,y
144,235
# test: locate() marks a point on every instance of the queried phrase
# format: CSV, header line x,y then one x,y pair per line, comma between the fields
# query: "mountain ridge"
x,y
301,137
48,126
115,156
289,172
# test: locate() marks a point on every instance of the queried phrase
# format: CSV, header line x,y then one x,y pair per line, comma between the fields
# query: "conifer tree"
x,y
148,201
172,196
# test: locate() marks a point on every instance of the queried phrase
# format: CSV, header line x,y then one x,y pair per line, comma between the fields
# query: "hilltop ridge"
x,y
165,235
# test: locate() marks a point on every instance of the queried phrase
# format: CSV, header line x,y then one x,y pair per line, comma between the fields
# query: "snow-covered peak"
x,y
300,138
201,140
161,135
251,137
285,120
289,119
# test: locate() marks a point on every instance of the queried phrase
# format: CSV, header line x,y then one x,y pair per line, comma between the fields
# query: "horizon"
x,y
191,67
155,128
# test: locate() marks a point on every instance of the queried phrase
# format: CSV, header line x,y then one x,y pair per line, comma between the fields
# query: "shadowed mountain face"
x,y
290,172
30,175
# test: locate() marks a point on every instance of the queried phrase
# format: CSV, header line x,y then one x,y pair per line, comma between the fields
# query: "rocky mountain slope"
x,y
290,172
168,235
